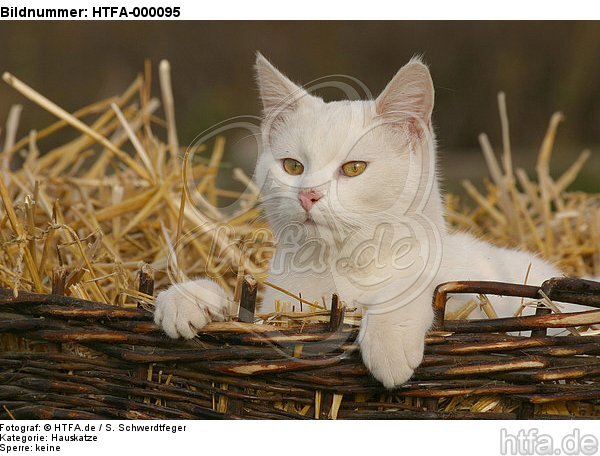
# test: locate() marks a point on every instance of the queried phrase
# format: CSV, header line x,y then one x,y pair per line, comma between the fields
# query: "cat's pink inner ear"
x,y
407,101
278,94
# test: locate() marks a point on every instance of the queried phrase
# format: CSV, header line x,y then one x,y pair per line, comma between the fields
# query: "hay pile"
x,y
82,219
97,207
538,215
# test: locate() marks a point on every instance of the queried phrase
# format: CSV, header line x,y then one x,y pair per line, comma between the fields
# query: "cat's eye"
x,y
293,167
354,168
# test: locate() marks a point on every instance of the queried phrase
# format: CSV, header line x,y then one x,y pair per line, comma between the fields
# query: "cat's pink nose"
x,y
308,198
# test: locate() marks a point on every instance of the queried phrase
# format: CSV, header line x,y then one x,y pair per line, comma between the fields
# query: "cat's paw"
x,y
185,308
392,352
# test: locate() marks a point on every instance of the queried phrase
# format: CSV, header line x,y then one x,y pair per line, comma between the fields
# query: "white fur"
x,y
393,134
185,308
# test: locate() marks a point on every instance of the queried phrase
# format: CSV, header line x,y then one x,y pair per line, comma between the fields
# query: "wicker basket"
x,y
69,358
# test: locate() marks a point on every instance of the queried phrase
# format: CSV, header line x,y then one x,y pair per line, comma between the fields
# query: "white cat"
x,y
350,192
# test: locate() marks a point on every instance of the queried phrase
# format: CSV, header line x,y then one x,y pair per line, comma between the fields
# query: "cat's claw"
x,y
392,352
185,308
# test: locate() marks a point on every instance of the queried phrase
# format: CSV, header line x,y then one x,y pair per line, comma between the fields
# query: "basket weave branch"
x,y
104,361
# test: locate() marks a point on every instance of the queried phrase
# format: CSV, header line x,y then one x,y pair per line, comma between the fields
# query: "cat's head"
x,y
342,163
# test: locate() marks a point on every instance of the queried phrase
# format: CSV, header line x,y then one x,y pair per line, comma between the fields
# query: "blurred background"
x,y
542,67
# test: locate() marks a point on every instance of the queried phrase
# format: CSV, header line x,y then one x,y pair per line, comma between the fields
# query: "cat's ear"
x,y
407,100
278,94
